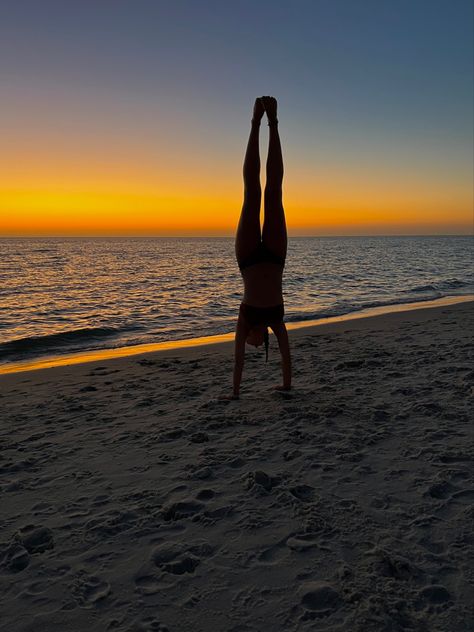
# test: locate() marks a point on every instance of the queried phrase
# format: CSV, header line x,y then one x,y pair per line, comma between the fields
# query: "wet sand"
x,y
134,499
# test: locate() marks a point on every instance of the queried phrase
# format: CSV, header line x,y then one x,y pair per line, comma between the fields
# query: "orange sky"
x,y
91,181
70,197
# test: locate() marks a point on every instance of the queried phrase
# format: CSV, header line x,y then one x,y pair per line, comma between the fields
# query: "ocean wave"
x,y
343,308
55,342
442,286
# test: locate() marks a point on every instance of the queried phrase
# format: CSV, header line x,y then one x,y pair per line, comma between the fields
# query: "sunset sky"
x,y
130,117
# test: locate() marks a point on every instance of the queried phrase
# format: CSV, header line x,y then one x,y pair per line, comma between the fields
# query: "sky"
x,y
131,117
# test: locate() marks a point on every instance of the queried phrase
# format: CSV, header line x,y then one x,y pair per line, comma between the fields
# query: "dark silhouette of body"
x,y
261,253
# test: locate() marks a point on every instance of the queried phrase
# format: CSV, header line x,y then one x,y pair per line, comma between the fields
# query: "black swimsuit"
x,y
261,315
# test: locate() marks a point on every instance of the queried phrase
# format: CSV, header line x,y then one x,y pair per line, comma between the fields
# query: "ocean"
x,y
65,295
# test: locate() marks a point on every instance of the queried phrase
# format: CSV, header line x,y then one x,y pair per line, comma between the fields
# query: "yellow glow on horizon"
x,y
162,198
33,212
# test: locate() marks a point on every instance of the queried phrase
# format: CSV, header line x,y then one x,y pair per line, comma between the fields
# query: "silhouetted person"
x,y
261,253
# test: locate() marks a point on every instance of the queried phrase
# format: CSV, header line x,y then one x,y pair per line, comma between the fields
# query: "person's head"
x,y
257,336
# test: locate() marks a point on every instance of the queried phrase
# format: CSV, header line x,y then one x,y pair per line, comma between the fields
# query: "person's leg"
x,y
274,226
248,235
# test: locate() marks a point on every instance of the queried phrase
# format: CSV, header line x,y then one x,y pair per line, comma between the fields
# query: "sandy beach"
x,y
133,499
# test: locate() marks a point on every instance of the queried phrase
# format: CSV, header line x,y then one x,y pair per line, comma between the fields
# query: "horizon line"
x,y
227,236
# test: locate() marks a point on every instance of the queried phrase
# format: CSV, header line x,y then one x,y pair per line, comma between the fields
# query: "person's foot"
x,y
270,105
258,110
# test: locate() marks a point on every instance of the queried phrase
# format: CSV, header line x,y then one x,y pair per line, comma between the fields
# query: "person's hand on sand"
x,y
281,387
228,397
258,110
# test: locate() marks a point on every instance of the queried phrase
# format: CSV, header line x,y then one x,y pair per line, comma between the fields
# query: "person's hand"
x,y
228,397
282,387
258,109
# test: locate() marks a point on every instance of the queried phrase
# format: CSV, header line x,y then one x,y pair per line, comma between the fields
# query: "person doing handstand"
x,y
261,254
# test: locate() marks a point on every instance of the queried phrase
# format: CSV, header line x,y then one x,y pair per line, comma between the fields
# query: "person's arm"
x,y
284,344
239,355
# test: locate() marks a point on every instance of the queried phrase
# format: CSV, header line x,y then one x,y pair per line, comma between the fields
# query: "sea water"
x,y
64,295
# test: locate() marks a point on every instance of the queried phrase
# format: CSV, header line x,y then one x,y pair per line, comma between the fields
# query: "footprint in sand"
x,y
168,562
150,584
186,564
14,558
199,437
36,588
205,494
455,457
43,508
182,509
305,493
319,600
464,496
87,590
453,499
170,435
202,473
290,455
259,479
177,559
440,490
273,555
303,541
108,524
434,596
150,624
35,539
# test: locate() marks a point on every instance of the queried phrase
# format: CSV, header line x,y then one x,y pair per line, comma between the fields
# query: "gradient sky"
x,y
131,117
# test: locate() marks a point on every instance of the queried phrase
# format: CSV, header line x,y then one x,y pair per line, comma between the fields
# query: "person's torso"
x,y
263,284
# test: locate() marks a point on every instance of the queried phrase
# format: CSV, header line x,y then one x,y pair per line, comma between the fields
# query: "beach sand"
x,y
133,499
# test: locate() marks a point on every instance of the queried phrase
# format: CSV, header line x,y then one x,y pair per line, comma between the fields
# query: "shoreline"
x,y
98,355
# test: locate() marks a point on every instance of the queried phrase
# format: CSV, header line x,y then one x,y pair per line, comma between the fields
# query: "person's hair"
x,y
266,341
